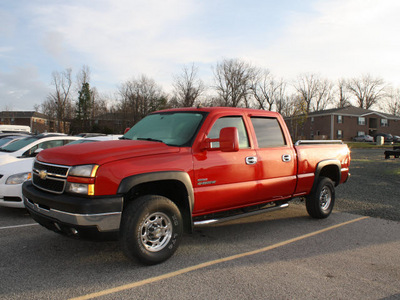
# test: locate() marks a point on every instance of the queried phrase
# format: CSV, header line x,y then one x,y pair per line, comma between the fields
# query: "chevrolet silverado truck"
x,y
180,168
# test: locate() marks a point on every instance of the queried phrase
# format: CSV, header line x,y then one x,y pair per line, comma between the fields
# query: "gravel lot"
x,y
374,186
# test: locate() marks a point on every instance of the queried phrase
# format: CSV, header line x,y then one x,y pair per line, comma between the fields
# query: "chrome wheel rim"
x,y
156,232
325,198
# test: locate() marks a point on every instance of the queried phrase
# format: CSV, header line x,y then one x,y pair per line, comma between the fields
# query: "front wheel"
x,y
320,201
151,229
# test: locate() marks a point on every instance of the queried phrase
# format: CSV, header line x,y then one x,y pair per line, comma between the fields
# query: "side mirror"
x,y
229,139
127,129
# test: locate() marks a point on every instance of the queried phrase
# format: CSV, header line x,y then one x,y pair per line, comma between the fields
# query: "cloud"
x,y
21,89
124,38
340,38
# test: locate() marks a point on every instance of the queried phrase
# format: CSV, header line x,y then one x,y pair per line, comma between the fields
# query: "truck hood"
x,y
103,152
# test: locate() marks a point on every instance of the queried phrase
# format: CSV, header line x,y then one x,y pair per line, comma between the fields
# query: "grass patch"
x,y
393,172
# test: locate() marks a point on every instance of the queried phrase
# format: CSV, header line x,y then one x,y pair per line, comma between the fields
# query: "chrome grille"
x,y
49,177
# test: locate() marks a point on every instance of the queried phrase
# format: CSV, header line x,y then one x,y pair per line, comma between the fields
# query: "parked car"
x,y
179,168
4,141
396,139
32,145
90,134
14,173
363,138
12,176
387,137
109,137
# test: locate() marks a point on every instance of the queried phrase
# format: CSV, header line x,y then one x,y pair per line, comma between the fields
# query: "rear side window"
x,y
268,132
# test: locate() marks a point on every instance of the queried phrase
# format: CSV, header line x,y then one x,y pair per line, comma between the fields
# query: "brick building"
x,y
342,123
38,122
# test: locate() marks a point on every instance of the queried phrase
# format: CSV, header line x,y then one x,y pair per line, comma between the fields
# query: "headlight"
x,y
84,171
80,188
19,178
81,179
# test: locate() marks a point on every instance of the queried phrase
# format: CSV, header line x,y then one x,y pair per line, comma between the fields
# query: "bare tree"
x,y
83,76
324,95
343,99
233,78
367,90
266,90
58,103
296,109
307,86
392,104
140,97
187,87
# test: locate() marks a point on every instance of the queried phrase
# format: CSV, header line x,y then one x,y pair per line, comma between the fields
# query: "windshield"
x,y
5,140
18,144
174,129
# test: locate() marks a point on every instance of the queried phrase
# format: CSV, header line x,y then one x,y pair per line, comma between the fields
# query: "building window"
x,y
360,133
361,121
312,119
339,119
384,123
339,134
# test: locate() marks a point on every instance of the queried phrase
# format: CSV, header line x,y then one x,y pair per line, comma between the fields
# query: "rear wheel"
x,y
320,201
151,229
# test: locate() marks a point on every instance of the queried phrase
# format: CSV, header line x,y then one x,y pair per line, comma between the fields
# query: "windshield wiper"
x,y
123,138
149,139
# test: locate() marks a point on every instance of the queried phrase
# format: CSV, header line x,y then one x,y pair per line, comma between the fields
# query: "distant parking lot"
x,y
277,255
374,187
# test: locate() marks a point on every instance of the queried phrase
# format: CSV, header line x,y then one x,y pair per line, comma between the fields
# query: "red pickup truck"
x,y
179,168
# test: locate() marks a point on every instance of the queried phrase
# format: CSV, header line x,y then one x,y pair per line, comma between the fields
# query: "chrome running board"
x,y
241,215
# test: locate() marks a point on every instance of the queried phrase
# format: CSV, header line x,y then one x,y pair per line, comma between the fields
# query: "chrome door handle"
x,y
251,160
286,158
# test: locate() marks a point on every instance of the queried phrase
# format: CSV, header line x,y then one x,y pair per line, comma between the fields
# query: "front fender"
x,y
130,182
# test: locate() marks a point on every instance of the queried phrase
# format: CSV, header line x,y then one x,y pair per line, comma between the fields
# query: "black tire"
x,y
151,229
320,201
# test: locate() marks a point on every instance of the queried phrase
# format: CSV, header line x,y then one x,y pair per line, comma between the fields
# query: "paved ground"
x,y
277,255
374,186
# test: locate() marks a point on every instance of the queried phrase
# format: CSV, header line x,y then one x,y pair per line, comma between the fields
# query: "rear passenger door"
x,y
276,159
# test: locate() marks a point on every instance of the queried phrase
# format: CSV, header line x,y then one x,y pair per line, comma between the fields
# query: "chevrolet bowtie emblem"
x,y
43,174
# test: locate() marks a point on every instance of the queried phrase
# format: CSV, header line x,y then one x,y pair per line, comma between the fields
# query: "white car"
x,y
32,145
16,167
12,176
110,137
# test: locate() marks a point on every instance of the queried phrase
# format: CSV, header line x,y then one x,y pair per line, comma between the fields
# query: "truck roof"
x,y
221,109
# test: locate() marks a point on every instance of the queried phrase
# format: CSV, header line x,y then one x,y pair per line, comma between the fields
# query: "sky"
x,y
120,40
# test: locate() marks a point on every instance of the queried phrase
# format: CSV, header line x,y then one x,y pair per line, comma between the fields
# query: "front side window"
x,y
230,122
268,132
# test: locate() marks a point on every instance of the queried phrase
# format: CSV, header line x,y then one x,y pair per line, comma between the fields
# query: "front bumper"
x,y
11,195
100,213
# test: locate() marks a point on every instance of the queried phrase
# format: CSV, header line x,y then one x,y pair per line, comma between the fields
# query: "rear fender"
x,y
328,168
